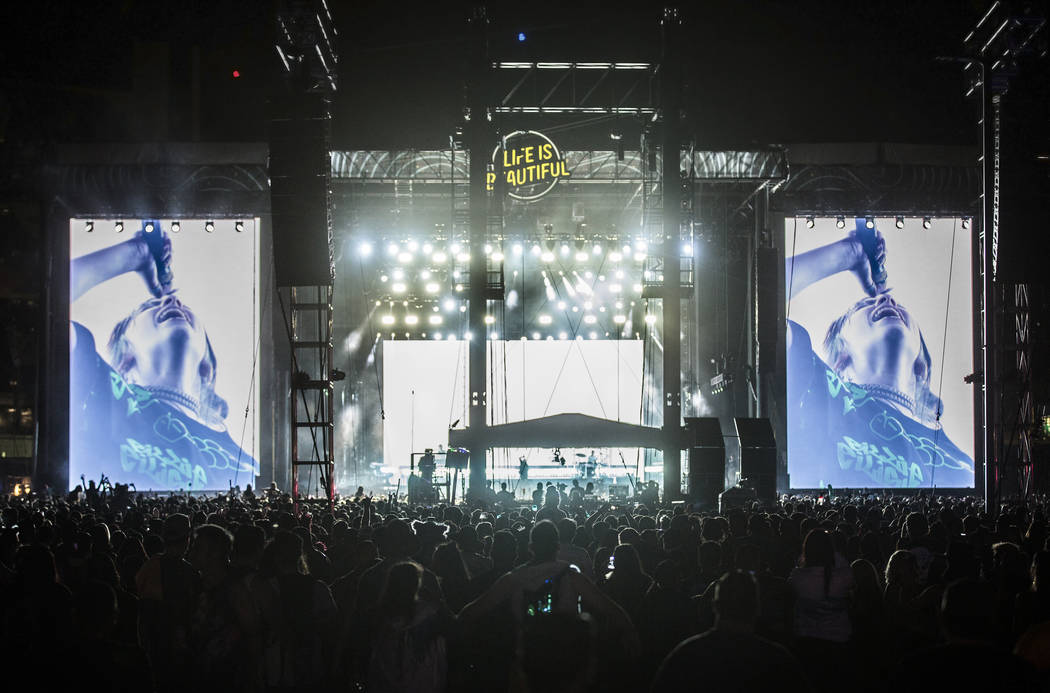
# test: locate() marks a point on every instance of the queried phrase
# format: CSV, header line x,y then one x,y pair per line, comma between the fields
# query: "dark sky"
x,y
762,71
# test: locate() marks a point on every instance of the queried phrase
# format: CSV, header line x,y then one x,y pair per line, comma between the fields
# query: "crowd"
x,y
246,593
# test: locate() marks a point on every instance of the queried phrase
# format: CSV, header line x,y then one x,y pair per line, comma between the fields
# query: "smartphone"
x,y
612,562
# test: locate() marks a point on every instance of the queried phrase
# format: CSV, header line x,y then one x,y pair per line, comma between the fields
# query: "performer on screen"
x,y
150,405
864,414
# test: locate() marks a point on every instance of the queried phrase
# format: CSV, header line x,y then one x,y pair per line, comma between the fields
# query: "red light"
x,y
236,73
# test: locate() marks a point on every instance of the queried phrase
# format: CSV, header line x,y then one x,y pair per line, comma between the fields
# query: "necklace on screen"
x,y
888,394
175,397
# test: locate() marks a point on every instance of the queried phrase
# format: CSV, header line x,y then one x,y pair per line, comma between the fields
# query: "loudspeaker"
x,y
707,460
457,459
299,170
758,456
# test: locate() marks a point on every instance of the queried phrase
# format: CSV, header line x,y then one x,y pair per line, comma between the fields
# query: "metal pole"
x,y
989,226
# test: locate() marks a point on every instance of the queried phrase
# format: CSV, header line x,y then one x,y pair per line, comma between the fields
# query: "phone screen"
x,y
612,562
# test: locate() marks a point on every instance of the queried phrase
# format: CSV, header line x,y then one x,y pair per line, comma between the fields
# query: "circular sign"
x,y
529,164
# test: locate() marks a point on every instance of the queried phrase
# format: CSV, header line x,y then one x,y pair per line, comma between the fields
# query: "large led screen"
x,y
879,338
164,335
425,391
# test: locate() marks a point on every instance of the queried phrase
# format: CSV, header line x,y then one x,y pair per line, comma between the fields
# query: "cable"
x,y
375,348
791,273
944,346
255,360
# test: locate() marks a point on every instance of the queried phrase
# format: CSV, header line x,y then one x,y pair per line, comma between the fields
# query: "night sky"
x,y
759,72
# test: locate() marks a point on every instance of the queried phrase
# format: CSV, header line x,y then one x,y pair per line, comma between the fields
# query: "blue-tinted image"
x,y
146,400
878,341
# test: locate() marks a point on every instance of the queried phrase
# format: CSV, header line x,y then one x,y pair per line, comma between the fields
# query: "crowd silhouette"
x,y
239,592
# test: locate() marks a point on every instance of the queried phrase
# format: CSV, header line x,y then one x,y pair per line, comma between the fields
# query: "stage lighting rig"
x,y
209,226
926,222
176,226
118,226
810,222
840,222
899,222
869,222
238,226
89,226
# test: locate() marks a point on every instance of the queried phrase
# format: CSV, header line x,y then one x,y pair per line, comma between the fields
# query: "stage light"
x,y
590,319
365,249
639,257
869,222
587,305
565,248
593,335
547,256
449,304
615,256
637,288
562,335
427,249
388,319
463,257
435,319
497,256
411,319
641,245
575,309
619,319
398,287
581,256
536,249
176,226
535,335
899,222
840,222
437,335
521,37
926,223
468,336
392,249
517,248
454,249
432,287
439,258
627,249
424,275
524,338
413,246
966,222
118,226
238,226
651,319
89,226
544,320
810,222
494,335
488,249
452,337
209,226
687,250
383,278
597,249
236,74
550,293
459,287
490,319
619,305
404,258
148,227
399,273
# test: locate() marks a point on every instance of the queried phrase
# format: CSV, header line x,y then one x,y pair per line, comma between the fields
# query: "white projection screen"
x,y
425,390
163,380
875,390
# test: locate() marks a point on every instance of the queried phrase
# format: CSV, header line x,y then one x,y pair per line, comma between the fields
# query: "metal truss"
x,y
575,88
305,43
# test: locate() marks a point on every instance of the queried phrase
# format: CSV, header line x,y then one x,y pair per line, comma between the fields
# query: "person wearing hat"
x,y
168,587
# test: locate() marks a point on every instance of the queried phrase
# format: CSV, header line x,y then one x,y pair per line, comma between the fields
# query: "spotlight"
x,y
615,256
427,249
388,319
411,319
562,335
619,319
517,248
89,226
521,37
238,226
687,250
494,335
404,258
651,319
449,304
432,287
365,249
398,287
497,256
547,256
545,320
899,222
148,227
536,249
392,249
840,222
593,335
810,222
590,319
926,223
488,249
966,222
209,226
581,256
490,319
118,226
439,258
435,319
176,226
869,222
536,335
413,246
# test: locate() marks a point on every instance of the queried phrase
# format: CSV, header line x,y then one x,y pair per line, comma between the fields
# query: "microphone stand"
x,y
629,478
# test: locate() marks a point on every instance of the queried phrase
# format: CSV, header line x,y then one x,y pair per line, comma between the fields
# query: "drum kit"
x,y
590,466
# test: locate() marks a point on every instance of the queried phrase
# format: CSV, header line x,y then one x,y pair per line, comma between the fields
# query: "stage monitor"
x,y
164,340
879,337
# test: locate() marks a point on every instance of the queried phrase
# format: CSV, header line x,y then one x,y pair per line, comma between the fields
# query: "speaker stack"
x,y
707,460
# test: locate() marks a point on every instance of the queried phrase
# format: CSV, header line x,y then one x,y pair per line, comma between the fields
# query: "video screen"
x,y
879,338
164,335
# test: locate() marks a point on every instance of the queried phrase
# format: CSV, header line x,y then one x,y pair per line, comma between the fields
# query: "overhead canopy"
x,y
560,430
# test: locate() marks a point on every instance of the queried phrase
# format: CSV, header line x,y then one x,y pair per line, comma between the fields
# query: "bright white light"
x,y
462,309
637,288
601,309
650,318
619,274
536,250
641,245
463,257
489,319
561,305
449,304
455,274
413,246
563,335
590,275
619,305
587,305
427,249
468,336
435,319
497,256
452,338
550,338
593,335
638,257
411,319
398,287
392,249
545,320
517,248
590,319
494,335
437,335
454,249
399,274
459,287
535,335
597,249
575,309
383,278
512,298
365,249
432,287
524,338
404,258
425,274
581,256
388,319
687,249
547,256
627,249
488,249
550,293
615,288
565,248
619,319
615,256
439,258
